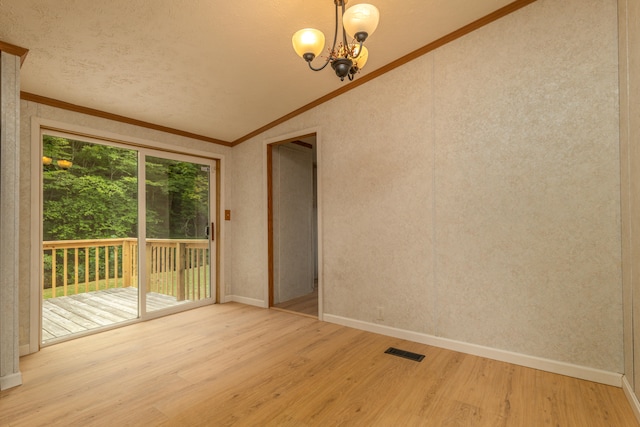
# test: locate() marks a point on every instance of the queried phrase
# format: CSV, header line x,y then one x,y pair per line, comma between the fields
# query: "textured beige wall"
x,y
248,224
527,212
476,194
30,110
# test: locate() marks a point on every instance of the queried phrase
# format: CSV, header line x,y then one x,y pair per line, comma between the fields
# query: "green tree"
x,y
178,198
96,198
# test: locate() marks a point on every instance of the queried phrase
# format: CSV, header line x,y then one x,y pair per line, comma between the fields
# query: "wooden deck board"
x,y
50,324
63,316
46,336
109,302
80,306
62,321
69,316
115,298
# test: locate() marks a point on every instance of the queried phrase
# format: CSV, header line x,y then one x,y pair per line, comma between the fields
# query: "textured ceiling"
x,y
220,69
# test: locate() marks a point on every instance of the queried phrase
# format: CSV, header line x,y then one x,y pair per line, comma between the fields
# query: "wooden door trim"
x,y
270,218
270,247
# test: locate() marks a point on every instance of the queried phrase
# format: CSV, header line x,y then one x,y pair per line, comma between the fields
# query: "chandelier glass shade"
x,y
361,18
308,40
346,59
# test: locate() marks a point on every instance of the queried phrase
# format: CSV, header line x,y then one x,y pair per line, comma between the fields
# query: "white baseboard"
x,y
245,300
631,397
548,365
10,381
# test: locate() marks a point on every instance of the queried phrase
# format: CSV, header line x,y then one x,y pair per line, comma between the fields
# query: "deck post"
x,y
180,260
147,276
54,267
126,263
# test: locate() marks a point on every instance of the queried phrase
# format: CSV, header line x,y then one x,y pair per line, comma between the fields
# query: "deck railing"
x,y
175,267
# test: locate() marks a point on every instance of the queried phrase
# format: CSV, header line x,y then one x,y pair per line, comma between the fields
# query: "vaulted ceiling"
x,y
220,69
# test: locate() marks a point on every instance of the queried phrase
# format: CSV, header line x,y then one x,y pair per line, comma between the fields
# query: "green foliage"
x,y
178,199
97,198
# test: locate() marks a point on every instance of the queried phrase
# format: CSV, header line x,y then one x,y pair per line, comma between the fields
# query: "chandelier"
x,y
346,59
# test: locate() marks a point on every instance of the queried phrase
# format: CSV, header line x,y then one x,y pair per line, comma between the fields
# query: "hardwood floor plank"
x,y
237,365
306,304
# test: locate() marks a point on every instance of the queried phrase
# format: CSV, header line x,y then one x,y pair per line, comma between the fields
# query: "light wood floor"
x,y
64,316
232,364
306,304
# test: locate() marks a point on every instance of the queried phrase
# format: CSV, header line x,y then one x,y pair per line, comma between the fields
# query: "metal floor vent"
x,y
406,354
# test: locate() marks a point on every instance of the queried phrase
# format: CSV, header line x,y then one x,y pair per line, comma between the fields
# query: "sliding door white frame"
x,y
40,125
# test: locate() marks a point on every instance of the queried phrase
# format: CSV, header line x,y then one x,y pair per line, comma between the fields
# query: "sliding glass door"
x,y
179,231
126,234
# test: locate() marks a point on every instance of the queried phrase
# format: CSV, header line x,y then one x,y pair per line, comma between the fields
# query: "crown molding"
x,y
14,50
103,114
500,13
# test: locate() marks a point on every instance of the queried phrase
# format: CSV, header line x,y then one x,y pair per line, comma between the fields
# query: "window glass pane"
x,y
178,228
90,211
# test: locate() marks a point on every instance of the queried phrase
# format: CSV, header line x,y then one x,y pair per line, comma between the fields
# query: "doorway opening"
x,y
293,225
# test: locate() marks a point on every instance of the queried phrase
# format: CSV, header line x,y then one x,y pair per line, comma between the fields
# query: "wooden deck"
x,y
74,314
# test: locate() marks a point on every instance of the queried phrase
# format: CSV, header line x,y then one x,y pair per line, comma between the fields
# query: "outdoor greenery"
x,y
97,197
